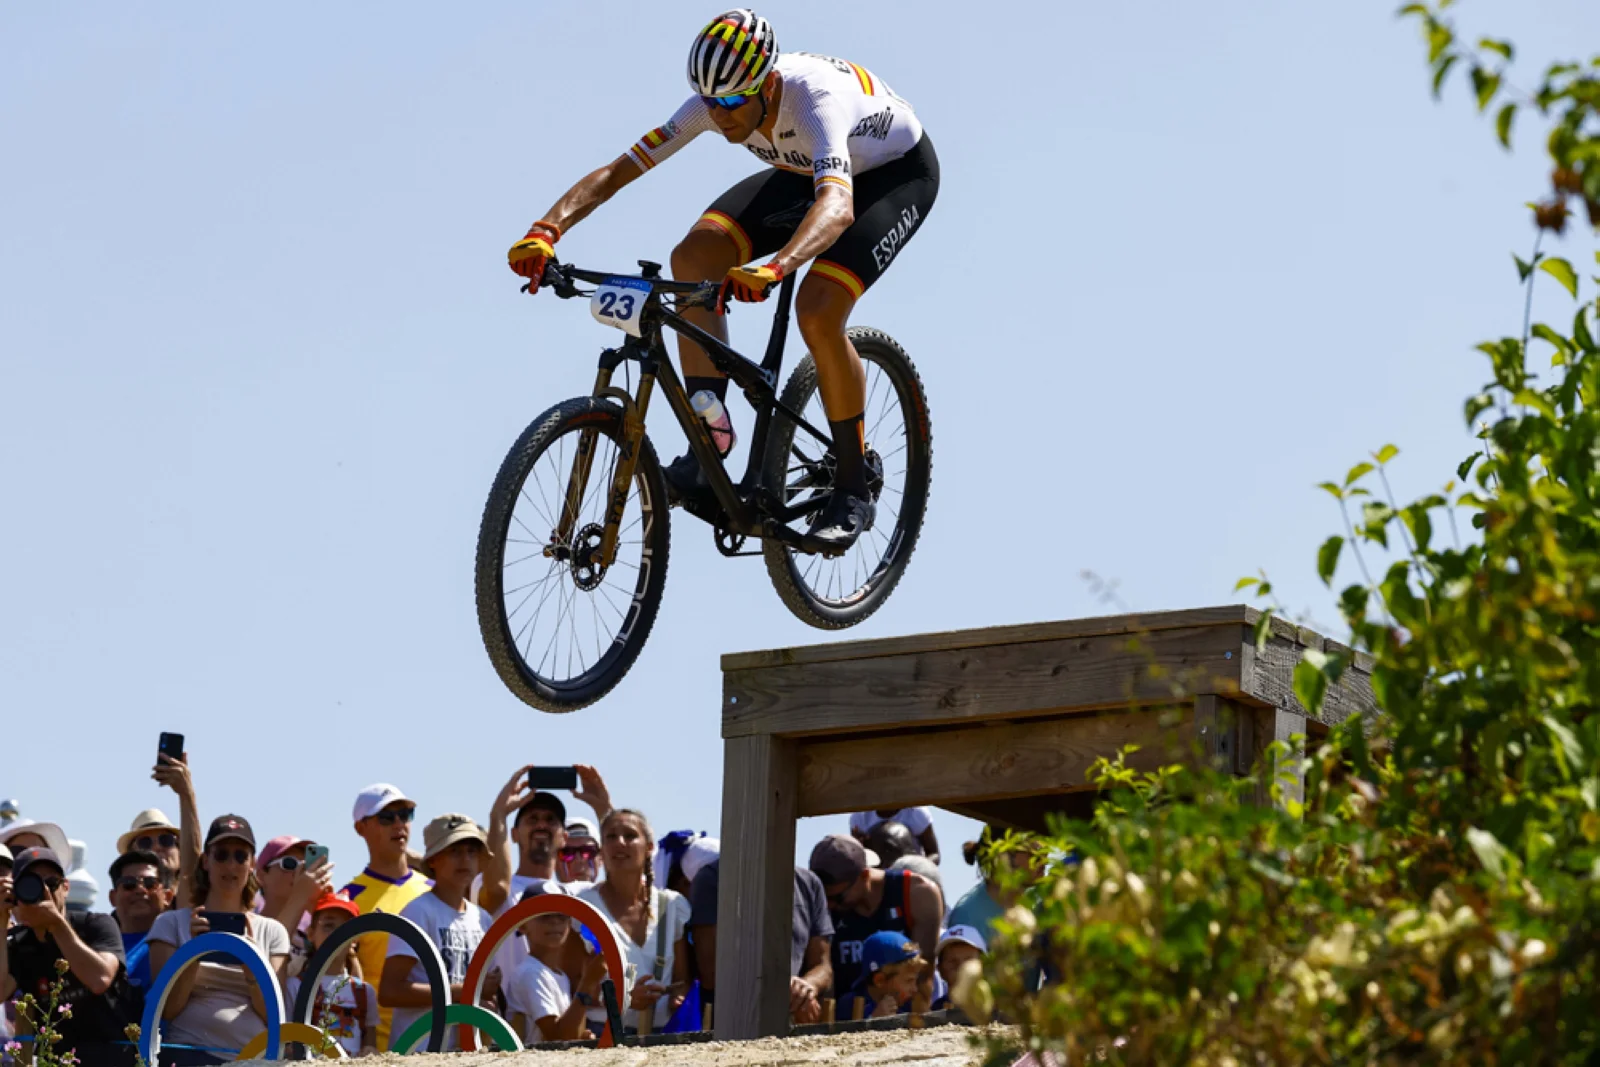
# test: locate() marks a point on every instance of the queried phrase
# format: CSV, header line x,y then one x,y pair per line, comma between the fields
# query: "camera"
x,y
28,889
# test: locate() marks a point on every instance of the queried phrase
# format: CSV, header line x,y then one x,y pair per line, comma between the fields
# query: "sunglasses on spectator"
x,y
579,851
731,102
149,842
222,854
147,882
288,863
388,818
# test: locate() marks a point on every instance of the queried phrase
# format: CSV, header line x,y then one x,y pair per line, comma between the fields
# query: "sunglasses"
x,y
149,842
579,852
288,863
388,818
222,854
731,102
147,882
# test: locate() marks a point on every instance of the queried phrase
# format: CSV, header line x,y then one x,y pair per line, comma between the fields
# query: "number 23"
x,y
622,303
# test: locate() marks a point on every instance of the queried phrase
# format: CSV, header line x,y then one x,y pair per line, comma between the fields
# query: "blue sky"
x,y
260,356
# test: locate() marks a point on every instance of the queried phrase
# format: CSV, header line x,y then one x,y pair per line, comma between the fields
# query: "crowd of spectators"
x,y
872,930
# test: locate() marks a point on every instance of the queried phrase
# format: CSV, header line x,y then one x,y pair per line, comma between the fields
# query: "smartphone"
x,y
170,745
553,778
227,922
316,854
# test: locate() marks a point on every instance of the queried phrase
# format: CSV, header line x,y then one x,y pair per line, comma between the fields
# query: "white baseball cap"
x,y
967,935
582,828
374,798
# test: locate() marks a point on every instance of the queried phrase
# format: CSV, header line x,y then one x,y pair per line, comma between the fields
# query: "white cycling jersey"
x,y
835,119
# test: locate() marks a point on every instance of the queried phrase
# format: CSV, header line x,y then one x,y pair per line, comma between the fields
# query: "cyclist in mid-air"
x,y
855,178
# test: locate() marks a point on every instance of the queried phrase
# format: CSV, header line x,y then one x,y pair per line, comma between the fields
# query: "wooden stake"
x,y
858,1009
829,1007
706,1025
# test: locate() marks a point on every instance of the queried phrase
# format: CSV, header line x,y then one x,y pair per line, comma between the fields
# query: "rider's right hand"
x,y
529,255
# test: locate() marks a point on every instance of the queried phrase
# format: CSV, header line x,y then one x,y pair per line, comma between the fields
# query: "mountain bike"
x,y
572,550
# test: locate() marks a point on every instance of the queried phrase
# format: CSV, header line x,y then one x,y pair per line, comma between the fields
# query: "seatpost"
x,y
780,327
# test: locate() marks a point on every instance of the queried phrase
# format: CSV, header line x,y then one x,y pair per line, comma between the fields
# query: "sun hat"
x,y
150,820
446,830
55,838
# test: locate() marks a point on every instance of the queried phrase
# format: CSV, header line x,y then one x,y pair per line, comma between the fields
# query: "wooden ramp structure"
x,y
1000,724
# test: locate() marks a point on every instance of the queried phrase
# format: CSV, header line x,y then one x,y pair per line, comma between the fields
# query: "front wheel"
x,y
833,593
561,626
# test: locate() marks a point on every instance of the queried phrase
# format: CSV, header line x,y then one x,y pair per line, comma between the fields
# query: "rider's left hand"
x,y
748,284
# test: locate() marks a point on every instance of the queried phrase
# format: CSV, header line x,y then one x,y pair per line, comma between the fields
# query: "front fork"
x,y
633,412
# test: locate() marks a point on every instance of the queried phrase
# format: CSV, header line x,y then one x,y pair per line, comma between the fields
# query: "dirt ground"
x,y
944,1046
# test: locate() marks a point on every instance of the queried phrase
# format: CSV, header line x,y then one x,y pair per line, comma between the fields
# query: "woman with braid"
x,y
648,921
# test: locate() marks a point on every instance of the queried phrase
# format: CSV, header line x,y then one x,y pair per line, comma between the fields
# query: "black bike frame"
x,y
752,507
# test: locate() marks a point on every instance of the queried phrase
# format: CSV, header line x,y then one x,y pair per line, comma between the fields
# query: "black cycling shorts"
x,y
762,212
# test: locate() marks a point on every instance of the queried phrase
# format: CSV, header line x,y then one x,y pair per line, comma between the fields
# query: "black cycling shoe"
x,y
845,519
686,482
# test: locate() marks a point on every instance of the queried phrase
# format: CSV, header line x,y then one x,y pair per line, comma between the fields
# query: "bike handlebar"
x,y
561,279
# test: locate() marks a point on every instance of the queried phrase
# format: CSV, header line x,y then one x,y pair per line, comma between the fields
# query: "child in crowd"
x,y
345,1006
453,854
539,995
891,964
958,945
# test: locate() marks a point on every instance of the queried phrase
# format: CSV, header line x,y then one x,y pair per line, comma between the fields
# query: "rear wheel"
x,y
833,593
561,626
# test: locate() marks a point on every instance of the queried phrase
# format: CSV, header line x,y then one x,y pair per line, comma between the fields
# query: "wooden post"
x,y
706,1021
858,1009
829,1007
647,1020
1276,724
755,904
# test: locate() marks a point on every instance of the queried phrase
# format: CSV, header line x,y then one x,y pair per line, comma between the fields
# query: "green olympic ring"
x,y
468,1015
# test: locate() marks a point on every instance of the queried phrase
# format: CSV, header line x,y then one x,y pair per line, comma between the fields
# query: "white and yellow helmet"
x,y
733,54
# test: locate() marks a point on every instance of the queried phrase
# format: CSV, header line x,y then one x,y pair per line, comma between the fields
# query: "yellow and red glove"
x,y
748,285
529,255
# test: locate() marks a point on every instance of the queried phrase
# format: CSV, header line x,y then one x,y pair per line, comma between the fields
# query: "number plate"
x,y
619,302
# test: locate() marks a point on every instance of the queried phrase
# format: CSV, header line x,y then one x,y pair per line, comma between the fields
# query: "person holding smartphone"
x,y
215,1005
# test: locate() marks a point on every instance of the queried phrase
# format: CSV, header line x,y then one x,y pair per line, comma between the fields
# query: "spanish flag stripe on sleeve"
x,y
864,78
840,275
655,138
835,179
727,225
641,156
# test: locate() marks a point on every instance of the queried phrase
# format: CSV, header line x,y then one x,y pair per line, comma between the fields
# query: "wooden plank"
x,y
951,640
980,762
1268,677
1005,681
1024,813
756,888
1277,724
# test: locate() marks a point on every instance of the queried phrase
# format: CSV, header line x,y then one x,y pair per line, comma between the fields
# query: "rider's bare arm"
x,y
830,214
591,191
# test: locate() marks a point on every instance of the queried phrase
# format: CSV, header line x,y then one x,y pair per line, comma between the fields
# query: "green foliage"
x,y
45,1020
1435,895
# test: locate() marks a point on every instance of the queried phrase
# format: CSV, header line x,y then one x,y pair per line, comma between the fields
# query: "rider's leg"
x,y
705,254
822,309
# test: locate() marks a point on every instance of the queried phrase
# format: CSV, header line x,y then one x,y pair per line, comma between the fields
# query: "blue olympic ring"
x,y
233,946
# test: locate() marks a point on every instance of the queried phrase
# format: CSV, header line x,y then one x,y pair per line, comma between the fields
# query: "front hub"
x,y
588,565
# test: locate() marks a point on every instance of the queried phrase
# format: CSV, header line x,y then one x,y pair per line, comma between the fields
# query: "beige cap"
x,y
446,830
147,821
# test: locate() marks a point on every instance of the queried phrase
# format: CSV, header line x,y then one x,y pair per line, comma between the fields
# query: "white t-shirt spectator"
x,y
917,820
538,992
218,1014
347,1006
457,934
643,957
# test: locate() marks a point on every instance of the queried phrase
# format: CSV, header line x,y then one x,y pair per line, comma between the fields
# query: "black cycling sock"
x,y
692,384
848,446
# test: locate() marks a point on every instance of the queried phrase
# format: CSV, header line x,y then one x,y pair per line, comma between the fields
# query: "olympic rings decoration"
x,y
471,1019
511,921
235,947
376,922
312,1037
